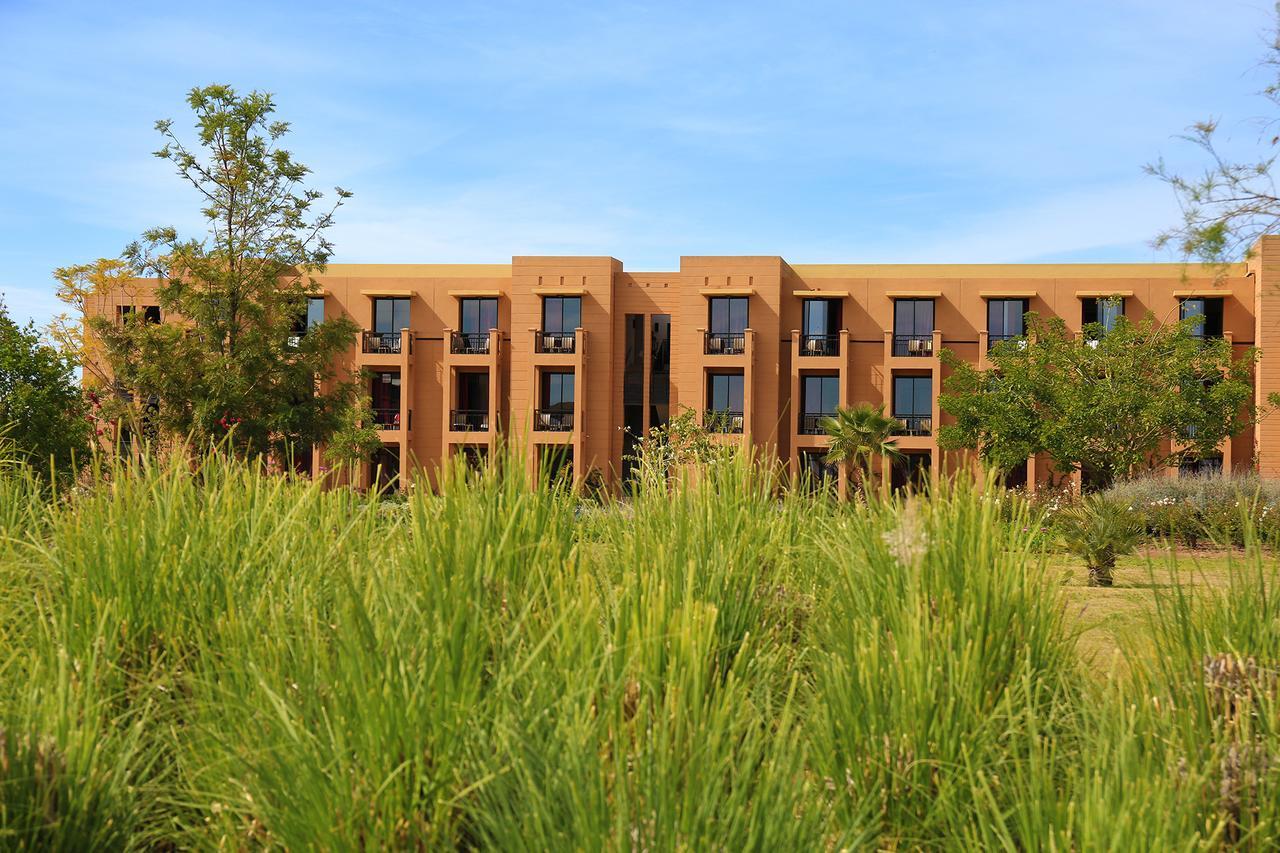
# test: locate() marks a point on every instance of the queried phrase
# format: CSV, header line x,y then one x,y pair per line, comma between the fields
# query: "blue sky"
x,y
932,131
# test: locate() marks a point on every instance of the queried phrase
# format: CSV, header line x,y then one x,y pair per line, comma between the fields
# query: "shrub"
x,y
1098,530
1191,510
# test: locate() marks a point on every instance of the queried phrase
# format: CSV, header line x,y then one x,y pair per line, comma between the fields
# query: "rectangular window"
x,y
1207,313
561,315
557,391
912,396
1005,318
385,394
659,370
913,403
476,316
150,313
473,391
632,391
390,314
724,392
913,317
821,317
727,315
821,395
1104,312
315,311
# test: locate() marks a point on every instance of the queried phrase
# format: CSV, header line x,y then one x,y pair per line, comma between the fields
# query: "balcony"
x,y
382,343
469,420
554,342
915,425
469,343
819,345
723,421
548,420
992,340
811,423
913,346
389,419
725,343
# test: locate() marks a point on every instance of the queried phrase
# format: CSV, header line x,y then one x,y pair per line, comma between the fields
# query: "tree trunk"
x,y
1100,574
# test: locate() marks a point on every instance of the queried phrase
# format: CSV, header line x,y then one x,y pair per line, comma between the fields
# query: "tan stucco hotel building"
x,y
575,355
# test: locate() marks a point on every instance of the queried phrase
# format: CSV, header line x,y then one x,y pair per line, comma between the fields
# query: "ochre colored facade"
x,y
778,348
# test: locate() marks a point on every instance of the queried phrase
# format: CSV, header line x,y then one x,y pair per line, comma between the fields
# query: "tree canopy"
x,y
1108,403
236,365
42,414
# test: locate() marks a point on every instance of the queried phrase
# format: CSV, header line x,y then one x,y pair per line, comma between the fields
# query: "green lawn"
x,y
1113,623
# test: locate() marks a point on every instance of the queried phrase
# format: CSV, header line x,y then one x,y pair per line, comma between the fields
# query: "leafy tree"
x,y
1233,202
858,434
1115,404
42,413
233,365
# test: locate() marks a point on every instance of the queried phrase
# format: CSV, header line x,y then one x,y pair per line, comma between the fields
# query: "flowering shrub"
x,y
1193,510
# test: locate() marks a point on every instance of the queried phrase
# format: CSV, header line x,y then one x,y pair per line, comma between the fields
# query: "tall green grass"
x,y
211,657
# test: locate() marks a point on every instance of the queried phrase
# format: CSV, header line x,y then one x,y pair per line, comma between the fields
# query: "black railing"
x,y
913,345
722,420
915,424
552,342
725,343
811,424
819,344
388,418
992,340
469,420
469,343
381,342
551,420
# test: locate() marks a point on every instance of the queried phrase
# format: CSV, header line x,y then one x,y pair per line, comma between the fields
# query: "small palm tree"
x,y
1098,531
860,433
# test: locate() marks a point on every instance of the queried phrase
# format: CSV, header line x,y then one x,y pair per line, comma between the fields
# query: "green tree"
x,y
42,413
1141,396
1233,201
233,366
859,434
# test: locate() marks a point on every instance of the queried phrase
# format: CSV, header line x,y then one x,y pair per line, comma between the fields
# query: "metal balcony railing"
x,y
723,421
913,345
725,343
992,340
469,343
819,344
811,423
389,419
387,343
552,420
915,424
554,342
469,420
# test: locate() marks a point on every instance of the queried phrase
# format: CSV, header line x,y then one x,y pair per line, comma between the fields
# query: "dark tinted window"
x,y
821,394
477,315
821,317
724,392
1102,311
913,317
557,391
659,369
390,314
1207,313
728,315
561,315
1005,317
912,396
